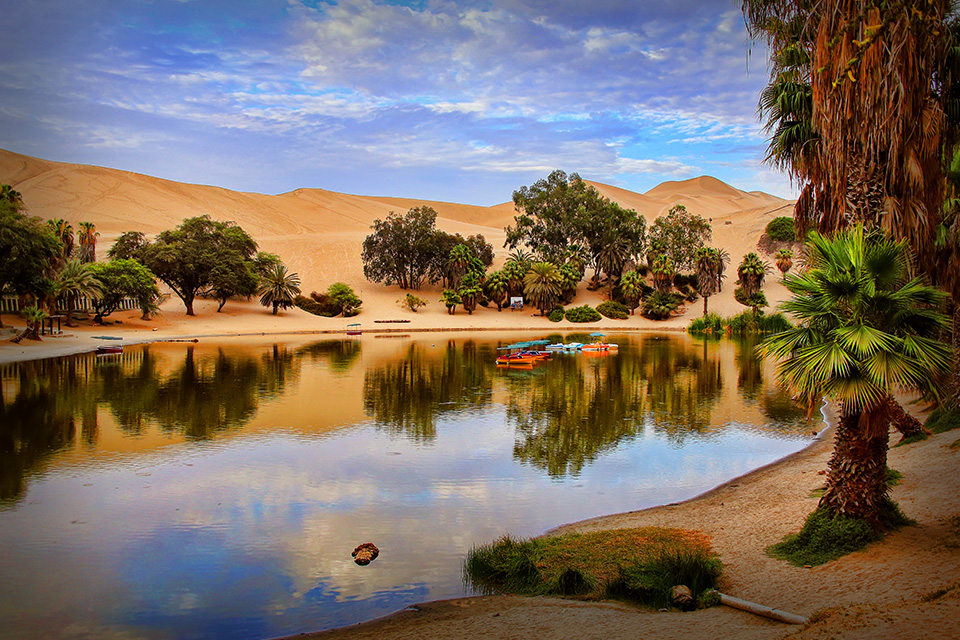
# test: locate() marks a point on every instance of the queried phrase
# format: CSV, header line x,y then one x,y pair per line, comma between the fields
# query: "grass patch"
x,y
943,420
640,565
917,437
893,477
826,536
955,445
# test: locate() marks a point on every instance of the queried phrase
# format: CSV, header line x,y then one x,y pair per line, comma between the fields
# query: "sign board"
x,y
516,303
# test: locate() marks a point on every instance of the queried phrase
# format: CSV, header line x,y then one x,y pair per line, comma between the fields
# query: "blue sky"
x,y
433,99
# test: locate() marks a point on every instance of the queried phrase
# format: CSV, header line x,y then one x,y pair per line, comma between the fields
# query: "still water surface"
x,y
217,490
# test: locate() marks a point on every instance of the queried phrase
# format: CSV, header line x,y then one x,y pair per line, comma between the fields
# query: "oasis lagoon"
x,y
217,490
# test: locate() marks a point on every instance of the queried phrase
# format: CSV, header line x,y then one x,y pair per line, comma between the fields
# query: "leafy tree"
x,y
127,245
88,242
401,248
75,280
681,233
345,298
119,279
471,291
186,259
784,259
865,329
781,229
27,248
232,276
541,286
561,211
631,285
279,288
412,302
450,299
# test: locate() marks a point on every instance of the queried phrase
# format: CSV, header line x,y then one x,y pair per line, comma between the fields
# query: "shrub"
x,y
685,280
942,420
689,293
614,310
747,323
651,581
556,315
781,229
710,324
660,306
586,313
412,302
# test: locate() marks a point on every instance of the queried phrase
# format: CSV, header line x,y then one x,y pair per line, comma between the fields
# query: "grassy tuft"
x,y
942,420
826,536
917,437
710,324
893,477
636,564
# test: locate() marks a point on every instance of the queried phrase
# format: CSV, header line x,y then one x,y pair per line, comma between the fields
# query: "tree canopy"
x,y
680,233
401,248
27,246
119,279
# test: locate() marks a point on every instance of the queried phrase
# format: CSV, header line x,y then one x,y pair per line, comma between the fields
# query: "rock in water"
x,y
365,554
682,598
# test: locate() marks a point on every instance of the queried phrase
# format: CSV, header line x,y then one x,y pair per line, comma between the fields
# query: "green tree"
x,y
450,299
631,285
27,248
784,259
232,276
681,233
186,258
344,297
127,245
121,279
75,280
560,211
278,288
663,271
401,248
751,273
496,288
865,329
542,286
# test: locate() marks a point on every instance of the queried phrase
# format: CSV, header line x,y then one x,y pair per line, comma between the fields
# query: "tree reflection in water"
x,y
407,395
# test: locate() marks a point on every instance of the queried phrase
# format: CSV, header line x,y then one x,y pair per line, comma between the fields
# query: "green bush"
x,y
942,420
614,310
556,315
651,581
685,280
586,313
710,324
689,293
782,229
660,306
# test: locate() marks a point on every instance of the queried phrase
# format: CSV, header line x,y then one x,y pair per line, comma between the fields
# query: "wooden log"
x,y
761,610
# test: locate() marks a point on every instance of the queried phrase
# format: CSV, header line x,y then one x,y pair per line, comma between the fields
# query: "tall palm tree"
x,y
708,267
515,271
569,280
470,291
865,329
631,285
457,264
496,288
751,273
663,272
88,242
541,286
278,288
75,281
63,230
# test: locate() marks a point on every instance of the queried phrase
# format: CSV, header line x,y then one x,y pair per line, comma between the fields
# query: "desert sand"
x,y
891,589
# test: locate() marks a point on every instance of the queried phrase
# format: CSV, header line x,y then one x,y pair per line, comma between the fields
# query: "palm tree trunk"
x,y
906,424
856,479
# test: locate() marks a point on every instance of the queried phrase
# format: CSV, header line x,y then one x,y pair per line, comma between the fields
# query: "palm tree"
x,y
631,285
88,242
63,230
751,273
612,258
784,261
708,267
74,281
278,288
34,316
569,280
11,195
457,264
450,299
865,329
515,272
496,288
470,291
541,286
663,272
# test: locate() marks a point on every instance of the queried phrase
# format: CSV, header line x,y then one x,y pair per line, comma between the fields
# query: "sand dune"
x,y
318,233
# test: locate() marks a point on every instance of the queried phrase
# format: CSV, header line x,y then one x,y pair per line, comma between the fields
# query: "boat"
x,y
518,358
523,352
108,349
354,329
599,346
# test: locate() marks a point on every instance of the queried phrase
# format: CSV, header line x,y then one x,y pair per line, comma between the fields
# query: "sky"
x,y
445,100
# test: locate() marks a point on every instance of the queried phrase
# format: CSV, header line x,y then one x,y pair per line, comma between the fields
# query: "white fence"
x,y
11,304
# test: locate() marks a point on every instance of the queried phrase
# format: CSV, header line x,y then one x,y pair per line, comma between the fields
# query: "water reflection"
x,y
217,490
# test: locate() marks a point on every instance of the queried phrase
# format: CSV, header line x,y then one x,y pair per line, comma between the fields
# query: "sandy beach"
x,y
904,586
